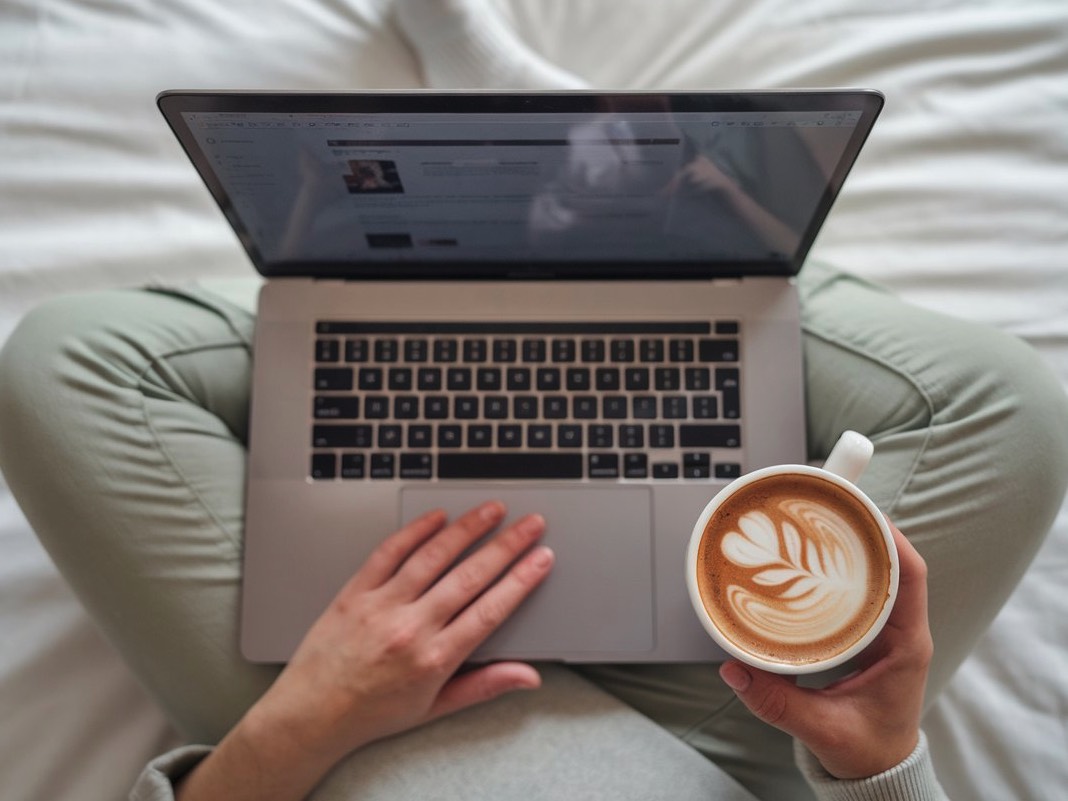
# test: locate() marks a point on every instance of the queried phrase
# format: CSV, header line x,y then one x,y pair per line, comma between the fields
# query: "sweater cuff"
x,y
911,780
156,782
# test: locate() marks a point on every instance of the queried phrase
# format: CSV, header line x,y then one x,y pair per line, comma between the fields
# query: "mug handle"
x,y
849,456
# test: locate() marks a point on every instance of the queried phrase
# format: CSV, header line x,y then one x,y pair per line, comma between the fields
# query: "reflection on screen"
x,y
637,187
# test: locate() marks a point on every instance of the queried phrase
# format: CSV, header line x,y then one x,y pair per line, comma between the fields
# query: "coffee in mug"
x,y
792,568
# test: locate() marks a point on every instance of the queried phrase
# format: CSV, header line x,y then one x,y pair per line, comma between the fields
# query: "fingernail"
x,y
735,676
542,557
532,523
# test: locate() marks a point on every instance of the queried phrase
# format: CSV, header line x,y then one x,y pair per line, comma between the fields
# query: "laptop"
x,y
582,304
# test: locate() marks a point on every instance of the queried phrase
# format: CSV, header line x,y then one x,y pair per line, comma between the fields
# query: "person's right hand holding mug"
x,y
792,569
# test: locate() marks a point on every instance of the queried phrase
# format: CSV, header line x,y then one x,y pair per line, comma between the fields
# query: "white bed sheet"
x,y
960,203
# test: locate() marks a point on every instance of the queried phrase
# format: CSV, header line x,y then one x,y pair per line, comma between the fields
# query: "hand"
x,y
383,658
868,721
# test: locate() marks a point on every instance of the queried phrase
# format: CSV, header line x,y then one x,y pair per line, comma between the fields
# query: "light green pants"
x,y
123,419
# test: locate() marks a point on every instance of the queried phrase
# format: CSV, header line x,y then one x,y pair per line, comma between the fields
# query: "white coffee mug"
x,y
846,462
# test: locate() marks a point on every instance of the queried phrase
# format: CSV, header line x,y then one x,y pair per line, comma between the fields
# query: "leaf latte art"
x,y
805,587
793,568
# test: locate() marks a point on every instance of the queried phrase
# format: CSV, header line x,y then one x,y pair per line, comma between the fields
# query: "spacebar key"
x,y
509,465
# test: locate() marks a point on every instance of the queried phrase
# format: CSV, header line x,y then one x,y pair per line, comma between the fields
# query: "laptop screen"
x,y
480,185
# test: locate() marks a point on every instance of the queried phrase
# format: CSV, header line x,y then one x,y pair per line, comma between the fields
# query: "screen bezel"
x,y
175,103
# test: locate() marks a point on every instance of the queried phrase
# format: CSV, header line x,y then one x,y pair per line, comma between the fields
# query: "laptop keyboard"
x,y
441,401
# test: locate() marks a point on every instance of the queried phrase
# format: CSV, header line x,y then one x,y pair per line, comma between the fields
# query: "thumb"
x,y
483,684
775,699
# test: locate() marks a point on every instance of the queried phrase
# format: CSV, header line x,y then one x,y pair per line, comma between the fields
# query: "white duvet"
x,y
960,202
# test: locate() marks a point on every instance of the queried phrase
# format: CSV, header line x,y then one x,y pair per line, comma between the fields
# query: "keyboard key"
x,y
333,378
554,407
665,470
599,435
680,350
518,379
339,407
465,407
592,350
415,465
509,465
509,435
449,436
696,465
382,465
400,379
504,350
323,466
651,350
584,407
416,350
643,407
376,407
352,465
727,327
386,350
635,465
674,407
446,350
709,436
698,379
718,350
636,379
533,350
614,407
705,407
389,436
525,407
578,379
419,436
564,350
495,407
631,436
622,350
662,436
603,465
726,378
327,350
666,379
607,379
728,470
428,379
458,379
475,350
406,407
569,436
436,407
370,379
732,404
479,436
488,379
358,436
356,350
539,436
548,379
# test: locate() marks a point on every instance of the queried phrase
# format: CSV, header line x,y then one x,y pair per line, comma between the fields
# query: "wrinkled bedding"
x,y
960,203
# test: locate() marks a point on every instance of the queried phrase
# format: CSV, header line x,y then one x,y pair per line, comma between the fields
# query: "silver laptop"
x,y
582,304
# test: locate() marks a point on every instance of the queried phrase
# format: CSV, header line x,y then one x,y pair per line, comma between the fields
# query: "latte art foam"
x,y
795,569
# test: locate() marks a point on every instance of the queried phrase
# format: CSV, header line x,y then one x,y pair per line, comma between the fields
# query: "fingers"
x,y
485,615
471,577
774,699
434,556
394,550
483,684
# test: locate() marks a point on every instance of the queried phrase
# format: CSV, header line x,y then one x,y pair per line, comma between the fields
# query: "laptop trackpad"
x,y
598,600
